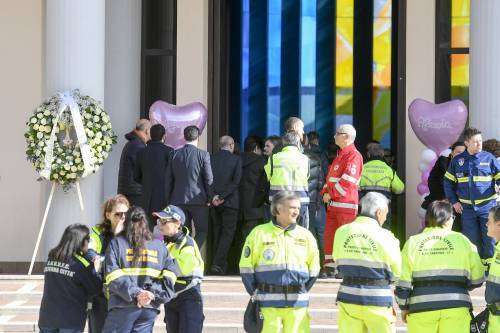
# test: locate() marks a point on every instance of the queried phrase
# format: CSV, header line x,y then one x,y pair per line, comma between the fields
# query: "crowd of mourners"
x,y
281,213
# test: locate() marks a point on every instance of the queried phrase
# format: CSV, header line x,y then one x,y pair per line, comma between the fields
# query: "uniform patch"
x,y
268,254
246,252
336,167
300,241
353,169
460,174
461,162
268,243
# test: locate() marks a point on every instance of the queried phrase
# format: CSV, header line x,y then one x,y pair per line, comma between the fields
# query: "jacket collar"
x,y
347,149
366,220
279,228
290,148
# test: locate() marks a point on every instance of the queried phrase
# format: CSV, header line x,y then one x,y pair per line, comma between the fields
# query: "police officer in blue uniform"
x,y
70,280
140,275
184,313
470,186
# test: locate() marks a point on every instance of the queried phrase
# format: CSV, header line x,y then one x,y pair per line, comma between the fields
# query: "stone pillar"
x,y
74,58
484,67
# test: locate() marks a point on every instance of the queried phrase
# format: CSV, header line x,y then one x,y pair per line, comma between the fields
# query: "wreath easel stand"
x,y
83,111
44,220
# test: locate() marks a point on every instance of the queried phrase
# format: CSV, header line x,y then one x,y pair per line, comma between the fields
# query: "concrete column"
x,y
192,55
123,78
74,58
484,67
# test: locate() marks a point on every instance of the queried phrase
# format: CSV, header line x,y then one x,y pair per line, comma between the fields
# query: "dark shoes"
x,y
216,270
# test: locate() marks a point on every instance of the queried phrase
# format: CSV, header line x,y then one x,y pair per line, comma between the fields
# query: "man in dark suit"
x,y
224,213
136,141
150,171
188,182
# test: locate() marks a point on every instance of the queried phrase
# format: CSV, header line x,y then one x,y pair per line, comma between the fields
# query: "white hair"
x,y
225,141
371,202
349,130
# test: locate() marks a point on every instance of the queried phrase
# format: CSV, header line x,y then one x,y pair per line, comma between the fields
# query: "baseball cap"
x,y
171,212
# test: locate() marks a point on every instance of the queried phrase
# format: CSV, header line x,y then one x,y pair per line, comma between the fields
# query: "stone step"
x,y
225,300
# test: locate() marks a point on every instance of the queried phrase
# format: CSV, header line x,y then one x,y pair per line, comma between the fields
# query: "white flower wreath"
x,y
69,136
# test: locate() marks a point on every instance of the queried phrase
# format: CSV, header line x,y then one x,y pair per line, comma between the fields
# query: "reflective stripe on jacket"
x,y
342,180
189,262
280,257
363,249
492,292
288,170
471,179
377,176
155,270
443,257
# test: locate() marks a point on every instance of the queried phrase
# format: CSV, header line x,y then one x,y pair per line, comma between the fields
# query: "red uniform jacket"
x,y
342,181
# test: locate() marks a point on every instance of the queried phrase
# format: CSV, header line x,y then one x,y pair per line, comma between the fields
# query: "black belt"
x,y
494,308
438,283
364,281
277,289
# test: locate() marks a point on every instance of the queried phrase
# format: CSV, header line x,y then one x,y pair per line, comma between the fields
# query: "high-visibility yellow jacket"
x,y
377,176
275,257
439,267
492,292
189,262
288,170
368,256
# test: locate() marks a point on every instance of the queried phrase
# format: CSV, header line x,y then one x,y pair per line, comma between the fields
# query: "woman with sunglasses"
x,y
439,267
139,276
114,210
70,280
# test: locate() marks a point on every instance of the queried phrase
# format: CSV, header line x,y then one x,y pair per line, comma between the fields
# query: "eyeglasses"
x,y
120,214
87,238
164,221
340,133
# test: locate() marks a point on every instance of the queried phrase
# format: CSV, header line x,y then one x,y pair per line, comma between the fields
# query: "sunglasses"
x,y
120,214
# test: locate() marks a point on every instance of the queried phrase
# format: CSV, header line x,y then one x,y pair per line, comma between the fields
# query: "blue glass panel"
x,y
245,38
274,67
308,64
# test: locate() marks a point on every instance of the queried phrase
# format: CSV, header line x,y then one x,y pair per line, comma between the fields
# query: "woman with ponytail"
x,y
139,276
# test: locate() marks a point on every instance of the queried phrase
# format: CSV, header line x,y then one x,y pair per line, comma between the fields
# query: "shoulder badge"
x,y
246,252
268,254
461,162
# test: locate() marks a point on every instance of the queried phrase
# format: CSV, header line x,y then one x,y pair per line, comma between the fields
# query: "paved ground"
x,y
225,300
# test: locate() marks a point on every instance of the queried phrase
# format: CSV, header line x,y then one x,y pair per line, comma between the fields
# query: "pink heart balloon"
x,y
437,126
175,118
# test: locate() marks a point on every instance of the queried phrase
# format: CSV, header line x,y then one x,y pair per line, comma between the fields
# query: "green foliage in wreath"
x,y
67,164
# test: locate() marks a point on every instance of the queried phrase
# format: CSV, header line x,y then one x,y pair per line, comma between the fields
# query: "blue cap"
x,y
171,212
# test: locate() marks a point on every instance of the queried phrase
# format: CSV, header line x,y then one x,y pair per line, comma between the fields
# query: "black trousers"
x,y
98,313
197,217
224,226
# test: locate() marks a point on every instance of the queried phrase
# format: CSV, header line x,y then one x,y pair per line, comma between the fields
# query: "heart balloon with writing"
x,y
437,126
175,118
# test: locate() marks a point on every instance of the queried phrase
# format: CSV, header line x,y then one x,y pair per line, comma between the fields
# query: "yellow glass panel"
x,y
344,61
460,21
460,70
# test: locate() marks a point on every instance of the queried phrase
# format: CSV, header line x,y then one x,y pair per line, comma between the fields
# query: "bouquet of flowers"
x,y
62,151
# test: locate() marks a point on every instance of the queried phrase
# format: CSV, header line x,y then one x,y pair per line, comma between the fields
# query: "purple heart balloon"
x,y
437,126
175,118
